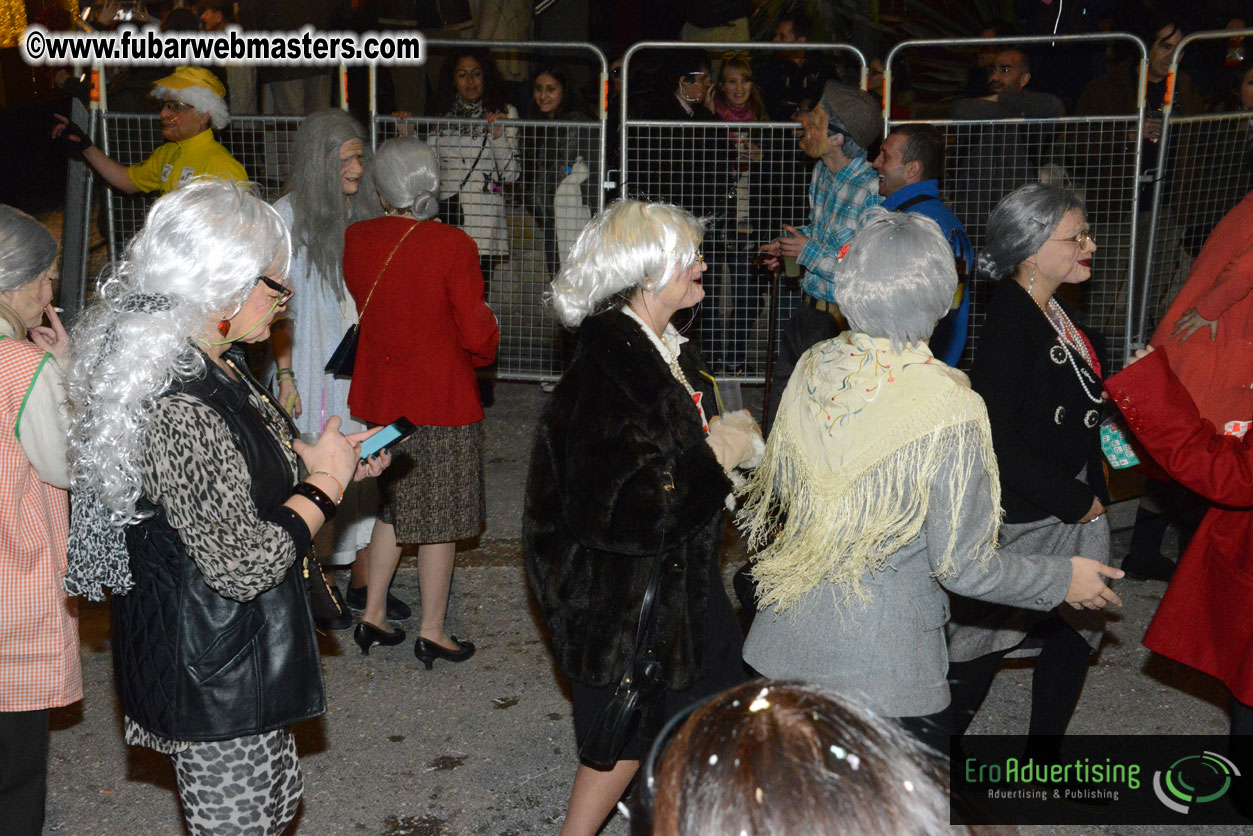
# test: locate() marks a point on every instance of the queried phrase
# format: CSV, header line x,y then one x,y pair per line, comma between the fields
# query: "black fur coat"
x,y
620,462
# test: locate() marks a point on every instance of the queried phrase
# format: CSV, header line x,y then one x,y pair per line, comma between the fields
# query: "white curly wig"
x,y
197,257
629,244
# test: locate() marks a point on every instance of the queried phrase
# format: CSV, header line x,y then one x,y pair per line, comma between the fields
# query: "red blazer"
x,y
1206,617
426,328
1218,287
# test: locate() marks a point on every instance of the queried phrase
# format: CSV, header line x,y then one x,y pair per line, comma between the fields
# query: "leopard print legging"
x,y
248,786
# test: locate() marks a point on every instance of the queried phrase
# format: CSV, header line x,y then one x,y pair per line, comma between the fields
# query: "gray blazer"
x,y
890,651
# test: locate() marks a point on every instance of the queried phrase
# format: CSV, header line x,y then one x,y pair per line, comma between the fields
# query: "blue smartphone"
x,y
394,433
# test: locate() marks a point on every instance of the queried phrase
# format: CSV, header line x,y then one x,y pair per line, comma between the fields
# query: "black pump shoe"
x,y
1154,567
367,635
397,610
428,651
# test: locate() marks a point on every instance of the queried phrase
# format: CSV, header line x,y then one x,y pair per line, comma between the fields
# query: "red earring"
x,y
224,327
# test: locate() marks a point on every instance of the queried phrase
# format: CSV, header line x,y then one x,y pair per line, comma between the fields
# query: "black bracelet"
x,y
318,497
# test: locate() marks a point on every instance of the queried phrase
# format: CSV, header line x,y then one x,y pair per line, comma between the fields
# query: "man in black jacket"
x,y
792,83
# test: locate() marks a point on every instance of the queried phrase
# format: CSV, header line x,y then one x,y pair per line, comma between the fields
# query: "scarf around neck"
x,y
862,435
461,109
729,113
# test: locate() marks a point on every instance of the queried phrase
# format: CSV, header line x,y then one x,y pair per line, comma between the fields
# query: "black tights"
x,y
1055,684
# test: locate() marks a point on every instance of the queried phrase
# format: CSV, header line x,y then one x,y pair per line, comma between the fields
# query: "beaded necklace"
x,y
1070,342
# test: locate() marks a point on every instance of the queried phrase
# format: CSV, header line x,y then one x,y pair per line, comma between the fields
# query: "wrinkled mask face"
x,y
180,121
1066,257
351,165
815,140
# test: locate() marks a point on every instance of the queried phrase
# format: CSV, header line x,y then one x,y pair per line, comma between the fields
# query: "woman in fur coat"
x,y
628,464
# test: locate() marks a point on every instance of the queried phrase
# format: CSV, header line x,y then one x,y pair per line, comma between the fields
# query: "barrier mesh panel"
x,y
1096,157
262,144
1206,174
747,179
524,198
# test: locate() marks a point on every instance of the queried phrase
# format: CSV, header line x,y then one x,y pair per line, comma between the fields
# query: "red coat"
x,y
426,328
1205,619
1218,287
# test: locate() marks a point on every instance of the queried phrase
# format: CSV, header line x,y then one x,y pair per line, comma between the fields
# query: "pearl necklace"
x,y
1070,343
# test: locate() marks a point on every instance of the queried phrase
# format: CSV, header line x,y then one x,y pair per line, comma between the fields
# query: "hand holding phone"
x,y
388,436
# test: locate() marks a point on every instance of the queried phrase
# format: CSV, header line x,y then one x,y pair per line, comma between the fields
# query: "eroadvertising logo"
x,y
1194,779
1147,779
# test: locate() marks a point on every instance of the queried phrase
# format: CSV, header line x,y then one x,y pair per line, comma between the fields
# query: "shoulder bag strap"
x,y
648,610
386,264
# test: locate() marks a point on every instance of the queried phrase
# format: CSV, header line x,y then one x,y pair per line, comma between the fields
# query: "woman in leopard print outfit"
x,y
184,473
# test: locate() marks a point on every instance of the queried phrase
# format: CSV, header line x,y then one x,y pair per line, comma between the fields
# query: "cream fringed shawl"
x,y
862,435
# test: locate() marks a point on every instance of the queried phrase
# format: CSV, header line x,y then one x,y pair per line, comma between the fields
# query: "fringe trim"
x,y
811,526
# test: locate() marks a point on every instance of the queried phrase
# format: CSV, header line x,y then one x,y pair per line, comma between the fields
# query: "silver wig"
x,y
628,246
27,249
1021,223
897,278
406,174
320,210
197,257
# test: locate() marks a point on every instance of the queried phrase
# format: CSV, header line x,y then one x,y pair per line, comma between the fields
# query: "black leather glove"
x,y
73,139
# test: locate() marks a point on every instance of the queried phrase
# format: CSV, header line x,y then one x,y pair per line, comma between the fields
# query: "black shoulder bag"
x,y
344,358
618,719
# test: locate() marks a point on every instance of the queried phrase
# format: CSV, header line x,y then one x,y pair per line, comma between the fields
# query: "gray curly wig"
x,y
1021,223
321,212
626,245
198,255
27,249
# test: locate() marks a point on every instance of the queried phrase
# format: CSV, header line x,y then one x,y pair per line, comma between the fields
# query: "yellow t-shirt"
x,y
174,163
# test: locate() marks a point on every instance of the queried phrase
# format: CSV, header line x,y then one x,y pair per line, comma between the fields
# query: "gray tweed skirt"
x,y
978,628
433,490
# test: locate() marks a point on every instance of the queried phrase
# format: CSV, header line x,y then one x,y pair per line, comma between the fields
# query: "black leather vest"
x,y
190,664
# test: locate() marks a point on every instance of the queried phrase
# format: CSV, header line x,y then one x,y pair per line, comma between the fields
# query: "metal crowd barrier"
x,y
1206,168
260,143
747,179
1097,156
548,188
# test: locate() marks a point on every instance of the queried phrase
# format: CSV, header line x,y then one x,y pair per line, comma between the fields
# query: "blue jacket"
x,y
949,338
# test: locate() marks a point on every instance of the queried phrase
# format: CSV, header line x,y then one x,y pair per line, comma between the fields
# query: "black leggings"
x,y
1055,684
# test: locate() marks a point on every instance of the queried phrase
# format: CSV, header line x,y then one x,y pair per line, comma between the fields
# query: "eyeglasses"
x,y
284,292
1082,238
177,107
700,256
695,78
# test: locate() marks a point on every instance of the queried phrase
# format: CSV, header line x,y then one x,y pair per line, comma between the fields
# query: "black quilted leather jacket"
x,y
190,664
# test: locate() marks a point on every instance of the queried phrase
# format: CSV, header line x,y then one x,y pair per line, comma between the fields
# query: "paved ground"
x,y
486,747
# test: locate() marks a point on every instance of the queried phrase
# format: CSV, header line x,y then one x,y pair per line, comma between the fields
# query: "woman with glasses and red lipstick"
x,y
1039,373
189,506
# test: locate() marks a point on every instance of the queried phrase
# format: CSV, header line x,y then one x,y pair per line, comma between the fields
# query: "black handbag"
x,y
618,719
344,357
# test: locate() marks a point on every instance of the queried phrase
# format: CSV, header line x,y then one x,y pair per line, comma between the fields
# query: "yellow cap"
x,y
185,77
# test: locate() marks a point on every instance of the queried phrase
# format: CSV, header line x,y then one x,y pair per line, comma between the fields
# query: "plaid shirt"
x,y
836,202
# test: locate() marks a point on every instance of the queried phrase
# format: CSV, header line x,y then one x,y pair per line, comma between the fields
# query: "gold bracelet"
x,y
338,483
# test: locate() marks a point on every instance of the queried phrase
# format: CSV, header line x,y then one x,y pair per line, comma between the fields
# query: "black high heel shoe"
x,y
428,651
367,635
